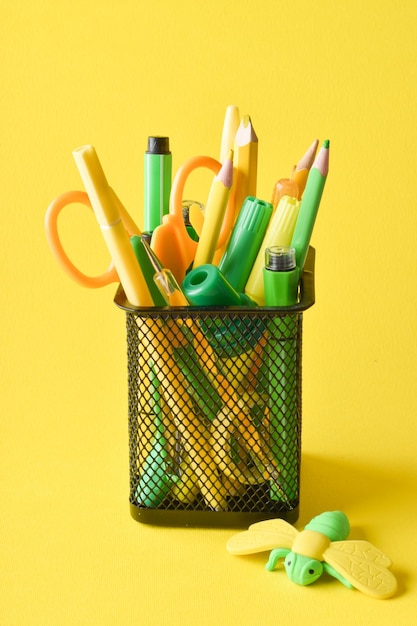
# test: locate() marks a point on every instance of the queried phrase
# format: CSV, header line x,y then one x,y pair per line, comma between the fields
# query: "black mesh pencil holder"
x,y
215,411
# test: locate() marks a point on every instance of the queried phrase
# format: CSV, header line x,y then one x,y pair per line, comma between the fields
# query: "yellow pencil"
x,y
214,213
230,126
246,162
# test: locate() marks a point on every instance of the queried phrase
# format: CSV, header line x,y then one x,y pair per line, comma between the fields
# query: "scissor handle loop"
x,y
51,227
178,186
177,191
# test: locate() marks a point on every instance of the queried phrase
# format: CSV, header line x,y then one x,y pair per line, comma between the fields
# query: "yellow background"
x,y
110,74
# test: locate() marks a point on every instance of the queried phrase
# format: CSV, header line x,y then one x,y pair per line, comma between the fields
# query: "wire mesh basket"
x,y
215,411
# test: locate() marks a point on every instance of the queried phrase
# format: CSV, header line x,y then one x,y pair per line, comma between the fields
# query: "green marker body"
x,y
280,277
157,181
281,288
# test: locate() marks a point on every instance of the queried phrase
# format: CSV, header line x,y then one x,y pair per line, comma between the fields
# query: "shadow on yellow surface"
x,y
340,483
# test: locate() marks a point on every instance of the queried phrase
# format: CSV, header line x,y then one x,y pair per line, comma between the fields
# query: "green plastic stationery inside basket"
x,y
215,447
156,477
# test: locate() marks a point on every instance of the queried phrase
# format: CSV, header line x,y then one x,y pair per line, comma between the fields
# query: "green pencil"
x,y
310,205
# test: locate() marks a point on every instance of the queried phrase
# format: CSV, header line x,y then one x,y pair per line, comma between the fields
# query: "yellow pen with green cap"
x,y
114,233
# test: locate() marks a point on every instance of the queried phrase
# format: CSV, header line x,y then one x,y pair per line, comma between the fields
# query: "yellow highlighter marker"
x,y
246,162
114,233
214,213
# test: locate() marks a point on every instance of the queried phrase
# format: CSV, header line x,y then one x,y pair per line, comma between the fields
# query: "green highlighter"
x,y
280,276
281,289
157,182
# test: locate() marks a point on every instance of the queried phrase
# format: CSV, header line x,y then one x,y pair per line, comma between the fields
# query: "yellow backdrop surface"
x,y
110,74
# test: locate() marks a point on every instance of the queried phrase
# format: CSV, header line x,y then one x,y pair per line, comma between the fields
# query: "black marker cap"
x,y
158,145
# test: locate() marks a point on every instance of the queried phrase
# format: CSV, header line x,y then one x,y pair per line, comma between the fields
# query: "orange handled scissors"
x,y
51,227
170,241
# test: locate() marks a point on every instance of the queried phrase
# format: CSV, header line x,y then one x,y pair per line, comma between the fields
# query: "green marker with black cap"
x,y
157,183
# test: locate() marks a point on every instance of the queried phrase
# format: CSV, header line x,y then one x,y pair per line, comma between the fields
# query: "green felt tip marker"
x,y
245,241
157,183
281,289
280,276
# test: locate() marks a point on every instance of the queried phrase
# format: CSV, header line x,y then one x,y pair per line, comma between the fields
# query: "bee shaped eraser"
x,y
321,547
